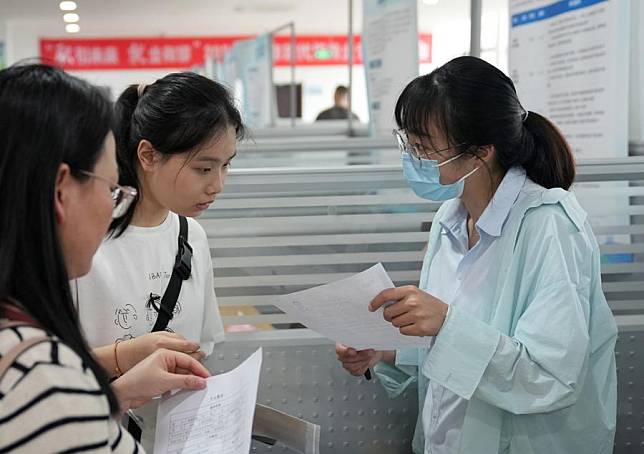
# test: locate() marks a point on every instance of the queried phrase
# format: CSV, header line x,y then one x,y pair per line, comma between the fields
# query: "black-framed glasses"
x,y
122,196
417,151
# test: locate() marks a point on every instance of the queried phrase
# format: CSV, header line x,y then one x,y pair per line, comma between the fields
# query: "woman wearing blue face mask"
x,y
520,340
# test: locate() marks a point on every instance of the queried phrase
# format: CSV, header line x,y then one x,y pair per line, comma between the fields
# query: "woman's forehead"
x,y
431,135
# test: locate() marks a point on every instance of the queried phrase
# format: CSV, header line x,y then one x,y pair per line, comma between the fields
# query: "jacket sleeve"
x,y
397,378
542,365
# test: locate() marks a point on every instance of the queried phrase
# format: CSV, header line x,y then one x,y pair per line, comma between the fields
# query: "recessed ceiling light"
x,y
71,17
72,28
67,6
264,6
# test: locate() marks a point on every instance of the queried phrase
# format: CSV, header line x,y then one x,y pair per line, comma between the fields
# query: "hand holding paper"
x,y
357,362
340,311
216,419
412,311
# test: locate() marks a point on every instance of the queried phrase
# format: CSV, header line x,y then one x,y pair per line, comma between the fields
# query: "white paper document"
x,y
340,311
217,419
298,435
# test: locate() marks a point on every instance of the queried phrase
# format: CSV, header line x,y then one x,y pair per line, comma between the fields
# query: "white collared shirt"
x,y
458,276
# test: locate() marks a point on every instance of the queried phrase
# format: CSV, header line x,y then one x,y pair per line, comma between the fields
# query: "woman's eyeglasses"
x,y
417,151
122,196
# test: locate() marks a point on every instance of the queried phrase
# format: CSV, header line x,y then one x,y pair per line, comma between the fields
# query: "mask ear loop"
x,y
454,158
470,173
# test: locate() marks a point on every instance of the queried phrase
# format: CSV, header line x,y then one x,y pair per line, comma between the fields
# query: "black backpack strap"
x,y
134,429
180,272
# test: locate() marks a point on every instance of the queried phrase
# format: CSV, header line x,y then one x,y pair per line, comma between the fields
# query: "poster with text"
x,y
570,62
390,56
637,76
247,68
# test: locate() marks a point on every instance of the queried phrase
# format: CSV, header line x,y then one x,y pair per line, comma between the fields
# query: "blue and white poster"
x,y
247,69
637,74
390,56
570,62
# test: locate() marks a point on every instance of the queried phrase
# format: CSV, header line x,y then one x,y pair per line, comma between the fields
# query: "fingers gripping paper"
x,y
339,311
217,419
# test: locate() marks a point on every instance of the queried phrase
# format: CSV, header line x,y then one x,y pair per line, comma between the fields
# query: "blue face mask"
x,y
424,178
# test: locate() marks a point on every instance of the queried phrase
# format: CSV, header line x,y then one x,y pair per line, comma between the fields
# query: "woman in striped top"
x,y
57,197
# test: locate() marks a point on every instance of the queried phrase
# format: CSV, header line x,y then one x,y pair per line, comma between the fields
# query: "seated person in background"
x,y
340,109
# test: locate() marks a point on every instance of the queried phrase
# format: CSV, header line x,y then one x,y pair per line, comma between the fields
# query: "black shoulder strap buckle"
x,y
183,261
181,271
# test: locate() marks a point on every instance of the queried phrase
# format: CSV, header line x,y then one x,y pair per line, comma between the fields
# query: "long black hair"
x,y
47,118
475,104
176,114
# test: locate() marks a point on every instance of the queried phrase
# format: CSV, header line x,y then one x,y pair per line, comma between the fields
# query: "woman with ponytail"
x,y
175,140
519,354
58,194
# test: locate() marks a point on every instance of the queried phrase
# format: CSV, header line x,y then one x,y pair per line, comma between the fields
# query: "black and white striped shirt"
x,y
50,402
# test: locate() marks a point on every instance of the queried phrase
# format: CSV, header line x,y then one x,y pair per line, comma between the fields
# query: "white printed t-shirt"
x,y
112,299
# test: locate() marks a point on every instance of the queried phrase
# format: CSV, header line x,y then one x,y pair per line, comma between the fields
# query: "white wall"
x,y
448,22
495,33
318,82
22,37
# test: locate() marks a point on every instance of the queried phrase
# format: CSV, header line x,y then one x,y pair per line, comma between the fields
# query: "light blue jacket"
x,y
539,369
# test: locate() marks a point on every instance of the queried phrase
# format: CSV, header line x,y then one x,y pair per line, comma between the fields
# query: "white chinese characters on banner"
x,y
569,62
390,55
190,52
139,54
68,54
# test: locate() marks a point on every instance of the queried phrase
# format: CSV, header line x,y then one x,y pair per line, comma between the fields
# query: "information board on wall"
x,y
390,55
247,69
570,62
637,75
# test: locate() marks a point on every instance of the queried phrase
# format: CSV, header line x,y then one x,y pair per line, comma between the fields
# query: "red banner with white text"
x,y
188,52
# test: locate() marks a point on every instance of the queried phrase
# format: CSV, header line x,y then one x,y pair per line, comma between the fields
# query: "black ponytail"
x,y
176,114
126,158
474,103
549,159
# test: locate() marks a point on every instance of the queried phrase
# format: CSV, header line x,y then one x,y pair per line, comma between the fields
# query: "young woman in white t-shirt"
x,y
175,139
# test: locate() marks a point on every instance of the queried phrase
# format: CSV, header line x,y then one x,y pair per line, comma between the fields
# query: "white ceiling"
x,y
175,17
